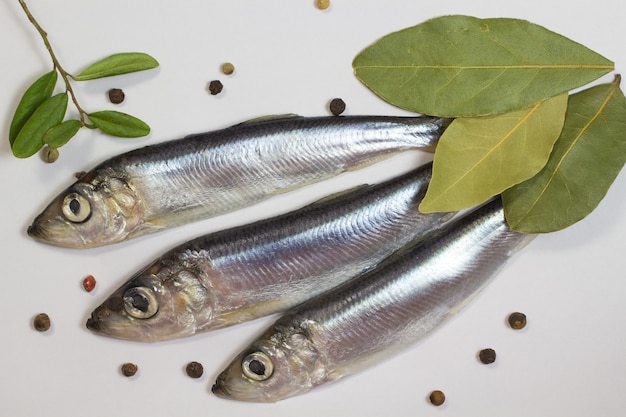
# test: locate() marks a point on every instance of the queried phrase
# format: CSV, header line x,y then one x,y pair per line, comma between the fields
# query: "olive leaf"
x,y
117,64
60,134
30,138
462,66
586,158
119,124
35,95
477,158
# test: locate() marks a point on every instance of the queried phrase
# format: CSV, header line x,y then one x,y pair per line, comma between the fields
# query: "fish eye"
x,y
76,208
140,302
257,366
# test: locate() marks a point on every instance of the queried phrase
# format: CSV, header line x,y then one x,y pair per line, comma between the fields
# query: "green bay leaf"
x,y
586,158
60,134
33,97
117,64
477,158
119,124
461,66
30,138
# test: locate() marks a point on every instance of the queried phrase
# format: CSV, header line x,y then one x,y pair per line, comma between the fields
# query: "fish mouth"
x,y
93,324
218,387
36,231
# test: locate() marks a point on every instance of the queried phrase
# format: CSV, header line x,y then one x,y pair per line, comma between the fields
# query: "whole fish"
x,y
254,270
366,319
185,180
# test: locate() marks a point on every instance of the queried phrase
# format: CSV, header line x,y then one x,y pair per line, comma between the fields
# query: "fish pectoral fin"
x,y
145,228
270,117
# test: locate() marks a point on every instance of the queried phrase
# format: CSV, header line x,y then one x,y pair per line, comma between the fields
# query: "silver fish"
x,y
365,320
254,270
181,181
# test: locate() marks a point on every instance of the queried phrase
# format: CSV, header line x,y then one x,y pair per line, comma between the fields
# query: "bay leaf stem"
x,y
57,65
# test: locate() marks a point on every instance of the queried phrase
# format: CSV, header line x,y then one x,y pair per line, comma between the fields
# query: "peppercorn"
x,y
129,369
228,68
194,369
487,356
41,322
215,87
116,96
517,320
437,398
337,106
49,155
322,4
89,283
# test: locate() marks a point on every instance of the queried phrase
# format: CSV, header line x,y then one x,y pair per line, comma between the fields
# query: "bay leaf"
x,y
33,97
586,158
60,134
119,124
477,158
462,66
117,64
30,138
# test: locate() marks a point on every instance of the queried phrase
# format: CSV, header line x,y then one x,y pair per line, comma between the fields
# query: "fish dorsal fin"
x,y
270,117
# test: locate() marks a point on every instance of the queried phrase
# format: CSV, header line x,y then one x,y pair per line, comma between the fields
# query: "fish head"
x,y
96,210
158,303
280,364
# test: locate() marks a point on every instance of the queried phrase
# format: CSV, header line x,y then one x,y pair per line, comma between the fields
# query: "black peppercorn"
x,y
41,322
337,106
487,356
116,96
129,369
215,87
517,320
194,369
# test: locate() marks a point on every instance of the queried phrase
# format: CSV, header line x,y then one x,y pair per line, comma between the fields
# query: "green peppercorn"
x,y
437,398
487,356
337,106
49,155
194,369
228,68
215,87
322,4
517,320
41,322
129,369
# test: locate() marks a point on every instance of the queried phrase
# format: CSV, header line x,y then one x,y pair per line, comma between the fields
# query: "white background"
x,y
290,58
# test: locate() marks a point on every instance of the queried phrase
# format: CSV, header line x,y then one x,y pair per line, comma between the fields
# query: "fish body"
x,y
366,319
254,270
172,183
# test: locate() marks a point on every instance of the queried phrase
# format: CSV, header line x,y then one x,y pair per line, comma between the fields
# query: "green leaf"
x,y
35,95
119,124
587,157
30,138
117,64
60,134
461,66
477,158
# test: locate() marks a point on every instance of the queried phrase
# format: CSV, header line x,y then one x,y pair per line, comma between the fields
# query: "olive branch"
x,y
38,119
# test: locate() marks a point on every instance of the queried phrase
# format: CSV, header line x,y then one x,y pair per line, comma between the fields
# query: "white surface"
x,y
290,58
